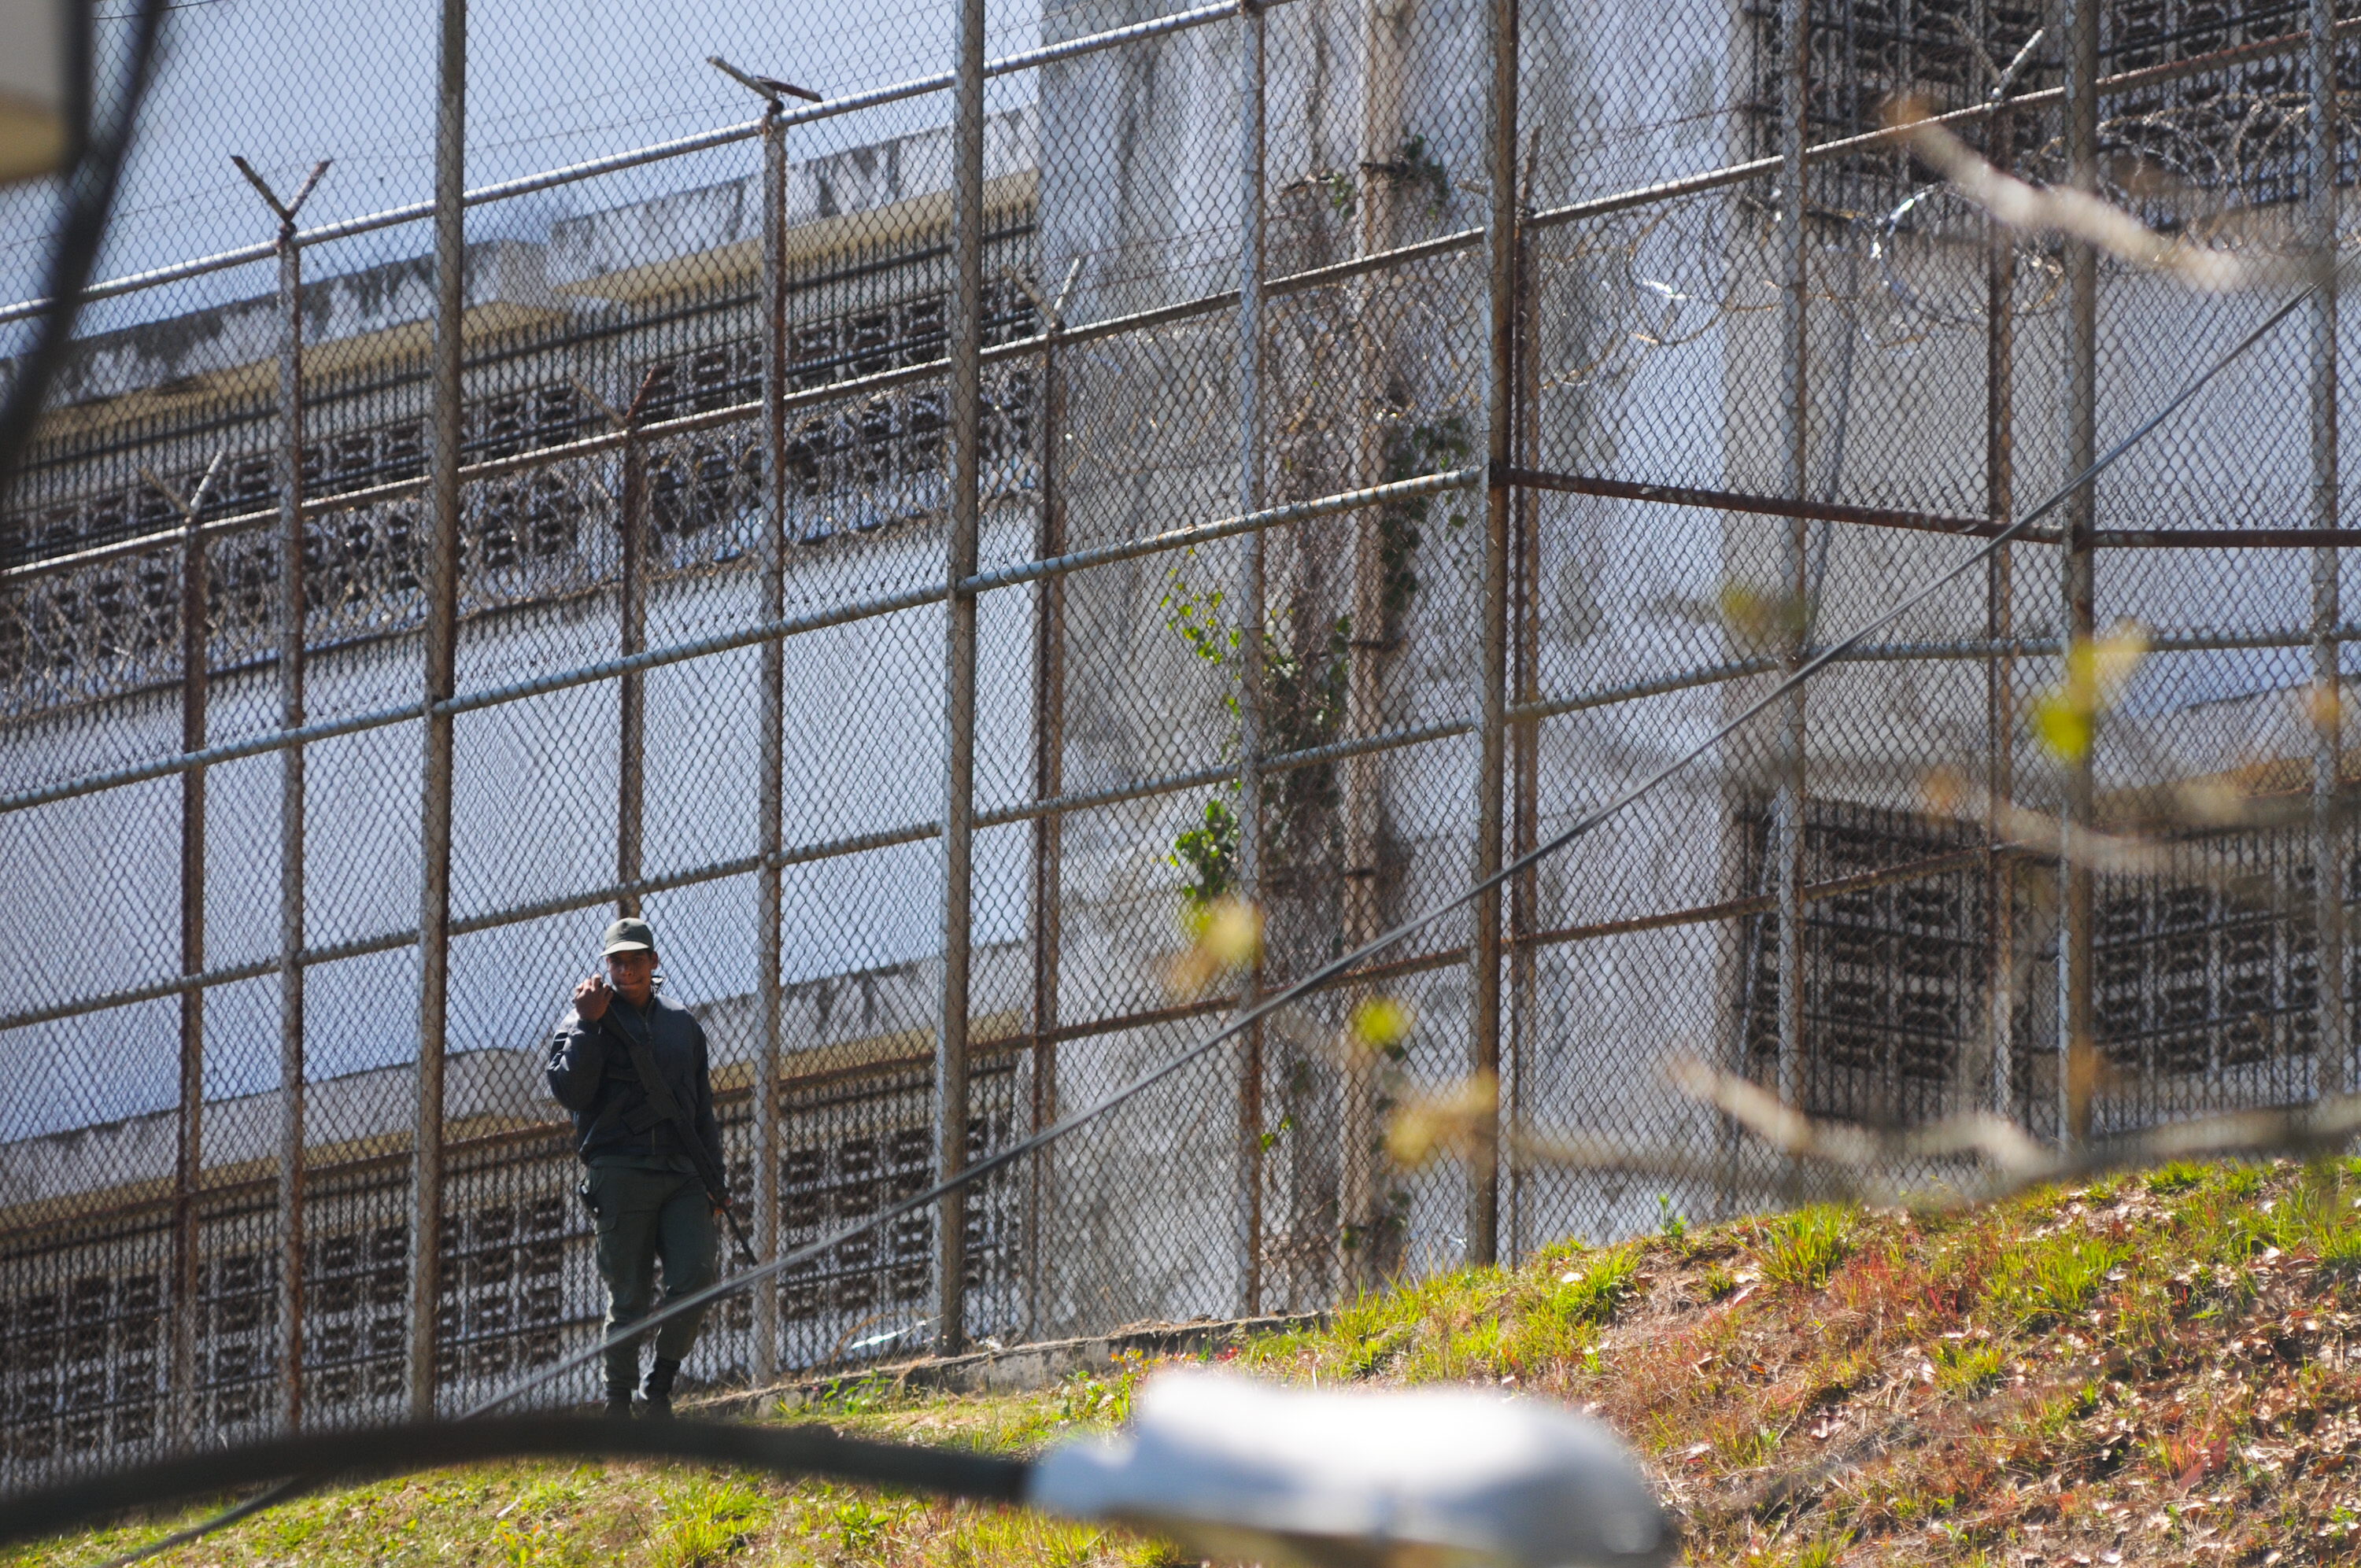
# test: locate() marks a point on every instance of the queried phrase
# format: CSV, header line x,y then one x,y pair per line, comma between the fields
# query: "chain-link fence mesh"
x,y
1235,264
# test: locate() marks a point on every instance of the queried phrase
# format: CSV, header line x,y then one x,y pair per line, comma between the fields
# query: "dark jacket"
x,y
590,1072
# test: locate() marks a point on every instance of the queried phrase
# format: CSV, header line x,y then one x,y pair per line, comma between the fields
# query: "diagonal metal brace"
x,y
770,87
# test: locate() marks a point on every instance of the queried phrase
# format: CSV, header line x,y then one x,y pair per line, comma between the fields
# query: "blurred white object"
x,y
44,84
1438,1478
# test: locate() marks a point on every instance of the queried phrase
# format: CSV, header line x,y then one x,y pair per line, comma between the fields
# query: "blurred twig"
x,y
1873,1165
2082,215
2016,1160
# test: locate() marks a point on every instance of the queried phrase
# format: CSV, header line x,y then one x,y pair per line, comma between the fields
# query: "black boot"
x,y
659,1388
622,1377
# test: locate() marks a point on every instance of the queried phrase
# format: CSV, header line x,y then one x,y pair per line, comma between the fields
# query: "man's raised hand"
x,y
590,999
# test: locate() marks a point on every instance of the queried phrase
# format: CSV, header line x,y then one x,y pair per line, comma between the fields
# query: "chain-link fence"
x,y
918,546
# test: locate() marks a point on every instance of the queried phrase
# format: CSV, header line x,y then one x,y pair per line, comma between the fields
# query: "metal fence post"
x,y
1369,1239
1786,837
1252,32
1524,819
183,1326
2000,629
771,797
291,619
631,690
1049,782
2077,1063
291,628
959,674
631,620
188,1170
1499,413
2328,834
442,662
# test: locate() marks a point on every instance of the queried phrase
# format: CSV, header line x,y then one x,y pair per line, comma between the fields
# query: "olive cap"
x,y
628,935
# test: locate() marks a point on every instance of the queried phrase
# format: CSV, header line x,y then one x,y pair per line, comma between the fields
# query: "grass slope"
x,y
2160,1369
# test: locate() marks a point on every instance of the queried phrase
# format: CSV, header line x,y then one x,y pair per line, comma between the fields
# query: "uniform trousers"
x,y
648,1215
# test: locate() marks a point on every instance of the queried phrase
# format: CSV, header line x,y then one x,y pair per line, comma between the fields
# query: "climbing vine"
x,y
1209,856
1411,450
1414,167
1306,670
1303,707
1307,659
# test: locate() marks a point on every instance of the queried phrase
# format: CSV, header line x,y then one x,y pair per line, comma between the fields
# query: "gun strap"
x,y
659,1095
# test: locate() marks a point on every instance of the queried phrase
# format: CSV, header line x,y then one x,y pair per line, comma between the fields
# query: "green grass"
x,y
2052,1279
2340,1254
599,1513
2166,1181
1804,1249
1590,1293
1968,1371
2150,1366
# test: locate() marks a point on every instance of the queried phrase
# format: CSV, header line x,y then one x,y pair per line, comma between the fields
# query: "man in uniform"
x,y
655,1159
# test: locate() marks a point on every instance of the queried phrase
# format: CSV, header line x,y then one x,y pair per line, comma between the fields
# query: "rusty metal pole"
x,y
771,796
631,691
2328,833
959,674
1524,824
1787,823
2000,629
2077,1060
292,612
1369,1230
442,663
1252,32
631,620
1048,829
1046,915
1501,414
187,1170
183,1326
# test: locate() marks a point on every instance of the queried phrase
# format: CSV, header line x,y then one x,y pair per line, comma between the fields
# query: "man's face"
x,y
633,975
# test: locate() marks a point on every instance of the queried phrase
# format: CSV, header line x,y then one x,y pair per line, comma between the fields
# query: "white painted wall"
x,y
534,816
